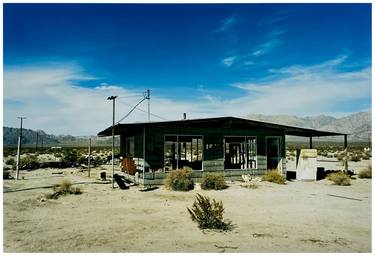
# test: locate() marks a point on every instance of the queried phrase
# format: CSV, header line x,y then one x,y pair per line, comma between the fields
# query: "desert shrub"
x,y
64,188
355,158
213,181
57,154
10,161
6,174
365,157
181,180
274,176
251,185
366,173
28,162
340,157
339,178
324,153
208,213
82,160
70,156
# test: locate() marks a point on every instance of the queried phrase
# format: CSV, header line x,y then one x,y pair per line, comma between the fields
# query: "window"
x,y
130,147
180,151
240,152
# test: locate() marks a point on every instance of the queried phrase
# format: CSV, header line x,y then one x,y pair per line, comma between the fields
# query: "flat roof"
x,y
220,122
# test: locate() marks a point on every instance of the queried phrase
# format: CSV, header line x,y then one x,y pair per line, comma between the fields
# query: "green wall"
x,y
213,158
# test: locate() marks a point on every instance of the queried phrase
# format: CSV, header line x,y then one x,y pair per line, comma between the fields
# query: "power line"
x,y
144,111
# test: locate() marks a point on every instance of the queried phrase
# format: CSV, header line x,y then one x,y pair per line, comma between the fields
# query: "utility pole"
x,y
19,149
148,101
113,98
36,145
89,155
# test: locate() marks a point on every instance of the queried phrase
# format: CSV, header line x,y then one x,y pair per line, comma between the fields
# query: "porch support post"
x,y
346,152
311,145
144,155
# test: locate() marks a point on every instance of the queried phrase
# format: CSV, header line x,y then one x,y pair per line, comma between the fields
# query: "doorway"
x,y
273,154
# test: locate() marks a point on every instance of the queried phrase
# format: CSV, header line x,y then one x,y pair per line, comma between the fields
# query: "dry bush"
x,y
355,158
208,214
339,178
64,188
366,173
6,174
180,180
250,185
274,176
29,162
213,181
10,161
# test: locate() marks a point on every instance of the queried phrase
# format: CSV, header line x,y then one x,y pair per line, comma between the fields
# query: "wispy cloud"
x,y
273,40
305,90
53,99
276,17
226,23
229,61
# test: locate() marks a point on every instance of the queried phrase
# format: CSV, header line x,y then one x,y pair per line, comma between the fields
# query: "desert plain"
x,y
297,217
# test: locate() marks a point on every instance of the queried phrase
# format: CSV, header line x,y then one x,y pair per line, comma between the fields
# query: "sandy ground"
x,y
297,217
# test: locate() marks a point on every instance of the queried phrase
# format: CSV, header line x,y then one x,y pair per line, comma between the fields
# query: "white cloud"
x,y
228,61
227,23
53,100
266,47
306,90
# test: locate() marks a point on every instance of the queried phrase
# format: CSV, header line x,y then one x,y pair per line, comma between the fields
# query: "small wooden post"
x,y
346,152
89,155
311,145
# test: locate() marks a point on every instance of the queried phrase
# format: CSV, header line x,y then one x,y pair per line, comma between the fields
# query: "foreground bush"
x,y
181,180
62,189
339,178
208,214
366,173
28,162
274,176
213,181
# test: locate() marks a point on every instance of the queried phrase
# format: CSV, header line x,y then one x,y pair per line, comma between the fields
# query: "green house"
x,y
231,145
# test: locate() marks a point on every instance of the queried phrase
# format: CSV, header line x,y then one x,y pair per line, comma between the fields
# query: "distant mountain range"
x,y
29,137
358,125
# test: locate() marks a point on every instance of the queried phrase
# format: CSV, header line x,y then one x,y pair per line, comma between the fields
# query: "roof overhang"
x,y
220,122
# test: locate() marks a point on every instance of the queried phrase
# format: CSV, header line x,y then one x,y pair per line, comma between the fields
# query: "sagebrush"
x,y
339,178
64,188
28,162
213,181
274,176
180,180
366,173
208,213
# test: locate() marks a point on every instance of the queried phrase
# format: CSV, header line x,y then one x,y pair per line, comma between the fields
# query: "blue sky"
x,y
203,59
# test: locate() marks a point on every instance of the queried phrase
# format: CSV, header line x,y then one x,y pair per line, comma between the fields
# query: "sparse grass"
x,y
208,213
214,181
180,180
64,188
366,173
249,185
339,178
274,176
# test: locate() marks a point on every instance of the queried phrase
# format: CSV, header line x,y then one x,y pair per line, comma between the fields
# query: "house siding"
x,y
213,159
